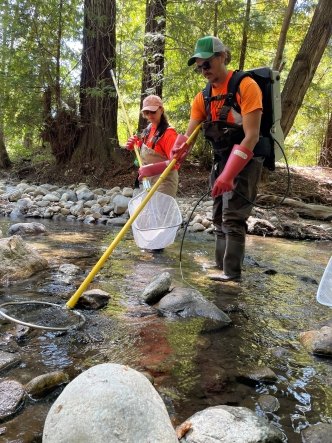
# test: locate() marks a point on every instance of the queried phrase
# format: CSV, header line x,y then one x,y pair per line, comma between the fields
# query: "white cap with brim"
x,y
206,47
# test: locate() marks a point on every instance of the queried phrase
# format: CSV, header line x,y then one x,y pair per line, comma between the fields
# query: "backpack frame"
x,y
271,137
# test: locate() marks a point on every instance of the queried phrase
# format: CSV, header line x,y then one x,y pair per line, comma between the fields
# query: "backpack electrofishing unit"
x,y
271,140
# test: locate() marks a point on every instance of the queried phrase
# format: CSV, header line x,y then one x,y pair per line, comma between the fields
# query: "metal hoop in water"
x,y
37,326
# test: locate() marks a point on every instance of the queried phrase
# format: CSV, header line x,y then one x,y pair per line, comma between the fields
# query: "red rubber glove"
x,y
237,160
180,149
152,169
132,141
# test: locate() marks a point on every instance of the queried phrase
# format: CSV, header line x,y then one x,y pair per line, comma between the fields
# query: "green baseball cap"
x,y
206,47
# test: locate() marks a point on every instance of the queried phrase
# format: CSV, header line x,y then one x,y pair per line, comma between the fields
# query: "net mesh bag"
x,y
157,224
324,293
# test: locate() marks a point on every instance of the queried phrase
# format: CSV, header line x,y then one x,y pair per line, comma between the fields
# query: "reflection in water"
x,y
192,367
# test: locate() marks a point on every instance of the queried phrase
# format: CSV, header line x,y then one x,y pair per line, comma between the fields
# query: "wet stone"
x,y
43,384
268,403
319,433
8,361
11,397
257,375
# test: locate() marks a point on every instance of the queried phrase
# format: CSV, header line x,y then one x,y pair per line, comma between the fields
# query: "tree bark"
x,y
305,63
277,64
98,102
154,51
325,158
245,36
5,162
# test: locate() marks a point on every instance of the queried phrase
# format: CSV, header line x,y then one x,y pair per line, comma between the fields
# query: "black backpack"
x,y
271,141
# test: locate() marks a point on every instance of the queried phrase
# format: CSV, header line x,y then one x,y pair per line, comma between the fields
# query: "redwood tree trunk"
x,y
5,162
154,50
305,63
325,158
98,102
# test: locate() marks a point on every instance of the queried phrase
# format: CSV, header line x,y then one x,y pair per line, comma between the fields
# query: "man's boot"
x,y
220,251
233,260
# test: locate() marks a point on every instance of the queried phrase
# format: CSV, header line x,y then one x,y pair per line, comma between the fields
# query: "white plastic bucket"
x,y
324,292
157,224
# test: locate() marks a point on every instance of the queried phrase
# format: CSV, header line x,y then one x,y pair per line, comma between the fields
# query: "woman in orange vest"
x,y
156,142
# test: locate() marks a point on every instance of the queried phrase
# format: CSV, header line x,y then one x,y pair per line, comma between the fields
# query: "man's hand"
x,y
132,141
180,148
237,160
152,169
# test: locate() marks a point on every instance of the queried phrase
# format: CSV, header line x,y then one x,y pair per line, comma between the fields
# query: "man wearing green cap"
x,y
233,134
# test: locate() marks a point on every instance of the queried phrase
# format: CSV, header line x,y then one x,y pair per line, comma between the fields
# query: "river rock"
x,y
259,374
93,299
27,228
11,397
317,433
8,360
318,342
158,287
268,403
18,260
229,424
43,384
109,403
188,302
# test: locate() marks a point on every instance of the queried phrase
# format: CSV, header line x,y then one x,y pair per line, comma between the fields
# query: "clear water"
x,y
193,368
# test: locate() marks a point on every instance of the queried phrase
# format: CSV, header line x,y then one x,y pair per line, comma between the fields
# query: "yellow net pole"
x,y
74,299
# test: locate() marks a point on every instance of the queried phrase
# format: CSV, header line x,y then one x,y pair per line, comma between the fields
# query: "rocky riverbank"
x,y
290,219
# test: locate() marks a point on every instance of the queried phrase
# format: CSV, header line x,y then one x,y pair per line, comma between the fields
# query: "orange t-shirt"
x,y
165,144
249,98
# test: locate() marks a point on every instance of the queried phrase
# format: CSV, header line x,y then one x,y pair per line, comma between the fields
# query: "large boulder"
x,y
109,403
18,260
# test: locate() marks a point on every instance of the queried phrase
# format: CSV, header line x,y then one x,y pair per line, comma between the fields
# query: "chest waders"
x,y
230,210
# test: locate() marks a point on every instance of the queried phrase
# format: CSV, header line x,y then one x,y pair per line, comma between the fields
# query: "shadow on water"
x,y
193,367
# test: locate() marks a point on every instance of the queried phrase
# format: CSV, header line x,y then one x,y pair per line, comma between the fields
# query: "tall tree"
x,y
325,158
277,64
154,50
98,102
6,42
305,63
245,36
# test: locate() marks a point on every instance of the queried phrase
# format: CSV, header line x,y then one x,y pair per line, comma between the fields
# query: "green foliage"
x,y
28,55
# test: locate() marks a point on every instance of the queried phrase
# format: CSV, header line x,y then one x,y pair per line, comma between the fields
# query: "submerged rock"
x,y
188,302
18,260
229,424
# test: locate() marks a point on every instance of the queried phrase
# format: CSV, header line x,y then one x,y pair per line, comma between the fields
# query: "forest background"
x,y
58,104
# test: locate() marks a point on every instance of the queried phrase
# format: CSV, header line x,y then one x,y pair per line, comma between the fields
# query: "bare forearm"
x,y
191,126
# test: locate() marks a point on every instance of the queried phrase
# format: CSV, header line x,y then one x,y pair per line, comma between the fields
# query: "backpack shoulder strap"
x,y
230,97
232,88
146,132
157,135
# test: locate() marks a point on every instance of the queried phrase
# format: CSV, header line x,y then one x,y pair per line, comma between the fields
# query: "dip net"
x,y
42,315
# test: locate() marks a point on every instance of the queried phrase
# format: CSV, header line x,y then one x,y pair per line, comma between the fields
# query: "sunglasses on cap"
x,y
204,66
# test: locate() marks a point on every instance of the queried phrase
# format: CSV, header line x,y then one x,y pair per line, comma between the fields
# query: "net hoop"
x,y
33,325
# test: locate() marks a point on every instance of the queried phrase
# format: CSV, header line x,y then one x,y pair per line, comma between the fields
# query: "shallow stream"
x,y
192,368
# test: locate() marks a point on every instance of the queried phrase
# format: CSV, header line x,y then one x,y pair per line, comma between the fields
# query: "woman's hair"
x,y
163,119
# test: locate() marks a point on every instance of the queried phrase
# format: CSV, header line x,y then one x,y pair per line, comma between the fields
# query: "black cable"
x,y
286,192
